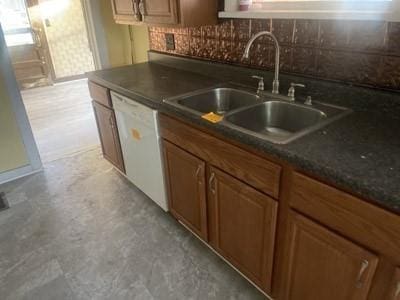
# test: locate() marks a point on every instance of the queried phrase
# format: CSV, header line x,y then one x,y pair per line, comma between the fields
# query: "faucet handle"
x,y
260,82
297,85
292,90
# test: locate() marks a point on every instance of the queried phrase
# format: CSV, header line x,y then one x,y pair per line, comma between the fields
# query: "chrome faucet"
x,y
275,84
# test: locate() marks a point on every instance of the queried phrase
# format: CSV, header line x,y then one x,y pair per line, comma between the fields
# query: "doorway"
x,y
47,40
67,37
50,52
26,42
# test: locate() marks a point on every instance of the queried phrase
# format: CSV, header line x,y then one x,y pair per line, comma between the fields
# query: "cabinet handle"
x,y
397,290
110,121
198,172
212,183
364,267
141,7
136,10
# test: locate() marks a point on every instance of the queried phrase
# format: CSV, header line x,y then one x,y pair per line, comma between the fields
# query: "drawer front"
x,y
250,168
100,94
357,219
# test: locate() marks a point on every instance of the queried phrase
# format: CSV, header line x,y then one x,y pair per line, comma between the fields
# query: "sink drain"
x,y
3,202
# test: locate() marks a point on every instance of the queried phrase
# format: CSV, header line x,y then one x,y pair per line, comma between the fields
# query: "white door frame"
x,y
96,34
18,107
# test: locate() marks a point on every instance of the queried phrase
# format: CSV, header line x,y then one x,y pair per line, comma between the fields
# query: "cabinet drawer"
x,y
250,168
100,94
357,219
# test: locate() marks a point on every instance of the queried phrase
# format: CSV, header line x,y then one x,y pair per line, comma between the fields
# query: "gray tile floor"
x,y
79,230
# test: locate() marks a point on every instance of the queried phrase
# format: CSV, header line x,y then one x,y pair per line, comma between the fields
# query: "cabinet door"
x,y
394,293
185,176
125,10
242,226
159,11
323,265
108,133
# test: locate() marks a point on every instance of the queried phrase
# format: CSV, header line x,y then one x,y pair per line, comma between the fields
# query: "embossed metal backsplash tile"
x,y
359,52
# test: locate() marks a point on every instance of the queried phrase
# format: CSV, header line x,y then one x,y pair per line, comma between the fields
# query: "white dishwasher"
x,y
140,142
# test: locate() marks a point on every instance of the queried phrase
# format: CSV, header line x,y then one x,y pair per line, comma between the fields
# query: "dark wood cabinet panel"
x,y
126,11
100,94
108,133
348,215
186,187
256,171
330,244
323,265
181,13
394,293
242,226
159,11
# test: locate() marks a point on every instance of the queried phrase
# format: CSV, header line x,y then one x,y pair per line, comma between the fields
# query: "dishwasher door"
x,y
137,126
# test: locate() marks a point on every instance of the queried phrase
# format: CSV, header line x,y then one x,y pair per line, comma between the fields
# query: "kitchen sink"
x,y
219,100
272,117
281,122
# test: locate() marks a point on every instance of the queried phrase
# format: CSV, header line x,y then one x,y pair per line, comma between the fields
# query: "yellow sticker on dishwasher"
x,y
135,134
212,117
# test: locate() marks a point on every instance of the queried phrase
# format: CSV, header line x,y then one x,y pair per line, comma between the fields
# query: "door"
x,y
26,41
323,265
185,176
159,11
394,293
126,11
242,226
108,133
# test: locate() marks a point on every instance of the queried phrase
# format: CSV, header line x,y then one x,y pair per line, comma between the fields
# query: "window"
x,y
320,9
15,22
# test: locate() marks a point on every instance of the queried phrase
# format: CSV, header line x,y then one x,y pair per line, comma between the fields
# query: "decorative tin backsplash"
x,y
359,52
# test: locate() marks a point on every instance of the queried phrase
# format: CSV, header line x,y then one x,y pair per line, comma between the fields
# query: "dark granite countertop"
x,y
359,153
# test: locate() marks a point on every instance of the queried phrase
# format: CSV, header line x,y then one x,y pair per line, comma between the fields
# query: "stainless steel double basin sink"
x,y
270,117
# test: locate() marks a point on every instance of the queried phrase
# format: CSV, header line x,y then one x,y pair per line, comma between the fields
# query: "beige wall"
x,y
117,37
12,149
120,51
140,42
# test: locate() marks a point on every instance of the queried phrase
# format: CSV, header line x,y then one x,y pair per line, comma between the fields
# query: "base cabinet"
x,y
319,243
242,226
323,265
108,133
185,176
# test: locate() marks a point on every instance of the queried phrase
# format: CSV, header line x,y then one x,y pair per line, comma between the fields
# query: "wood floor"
x,y
62,119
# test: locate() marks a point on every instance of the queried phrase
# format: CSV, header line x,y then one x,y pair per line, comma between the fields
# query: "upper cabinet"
x,y
159,11
126,11
178,13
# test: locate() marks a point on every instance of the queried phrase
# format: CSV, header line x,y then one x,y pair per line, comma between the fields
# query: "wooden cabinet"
x,y
181,13
323,265
126,11
277,226
108,133
159,11
394,293
242,226
185,175
106,125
